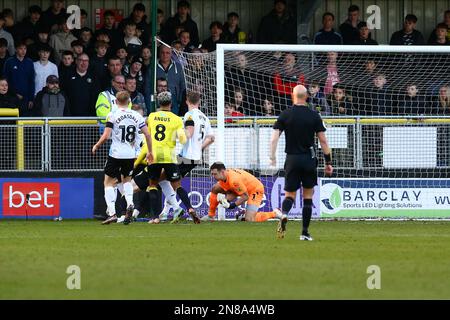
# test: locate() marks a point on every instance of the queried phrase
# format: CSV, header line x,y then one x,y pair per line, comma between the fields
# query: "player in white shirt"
x,y
123,126
199,135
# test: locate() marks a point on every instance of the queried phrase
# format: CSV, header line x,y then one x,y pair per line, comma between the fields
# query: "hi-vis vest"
x,y
106,103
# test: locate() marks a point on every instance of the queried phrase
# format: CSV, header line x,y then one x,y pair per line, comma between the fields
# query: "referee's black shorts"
x,y
300,171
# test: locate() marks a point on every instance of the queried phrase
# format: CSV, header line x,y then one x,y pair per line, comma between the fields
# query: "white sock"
x,y
121,219
110,198
121,188
169,194
128,190
136,213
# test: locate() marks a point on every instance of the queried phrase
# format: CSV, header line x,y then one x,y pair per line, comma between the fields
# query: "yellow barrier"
x,y
20,135
9,112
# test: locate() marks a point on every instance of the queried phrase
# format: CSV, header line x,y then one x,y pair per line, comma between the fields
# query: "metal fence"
x,y
378,144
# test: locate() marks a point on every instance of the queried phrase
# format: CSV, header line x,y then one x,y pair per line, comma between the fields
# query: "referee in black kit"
x,y
300,124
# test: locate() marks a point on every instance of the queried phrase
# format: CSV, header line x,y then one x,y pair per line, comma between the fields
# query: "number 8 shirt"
x,y
164,128
125,125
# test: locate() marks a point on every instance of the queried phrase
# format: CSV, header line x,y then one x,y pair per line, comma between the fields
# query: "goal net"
x,y
386,110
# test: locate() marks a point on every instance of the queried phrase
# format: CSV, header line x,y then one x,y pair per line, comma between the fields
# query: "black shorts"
x,y
300,171
114,168
172,172
186,168
141,180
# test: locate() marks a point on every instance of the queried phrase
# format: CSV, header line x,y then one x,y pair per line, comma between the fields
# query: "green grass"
x,y
224,260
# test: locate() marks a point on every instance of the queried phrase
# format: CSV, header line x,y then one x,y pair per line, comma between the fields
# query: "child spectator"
x,y
122,54
408,35
317,99
132,43
146,55
440,38
98,62
231,111
77,48
412,103
240,101
110,29
185,40
51,101
66,67
338,101
86,38
441,104
138,18
364,35
446,21
231,31
216,30
268,108
43,68
19,71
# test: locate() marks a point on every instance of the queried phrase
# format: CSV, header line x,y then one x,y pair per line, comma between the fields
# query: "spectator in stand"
x,y
130,40
146,55
106,101
62,40
364,35
43,68
440,38
82,89
317,99
51,101
185,40
161,85
327,35
86,39
408,36
77,48
268,107
216,30
181,19
41,39
412,103
83,25
98,62
6,35
375,100
160,19
122,54
172,71
66,67
135,96
285,81
114,69
134,71
338,102
332,72
231,31
53,15
10,23
446,21
138,17
240,101
231,111
28,26
110,28
279,26
441,103
7,98
3,54
19,71
350,30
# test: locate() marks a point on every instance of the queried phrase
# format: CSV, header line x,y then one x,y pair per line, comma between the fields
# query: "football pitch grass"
x,y
224,260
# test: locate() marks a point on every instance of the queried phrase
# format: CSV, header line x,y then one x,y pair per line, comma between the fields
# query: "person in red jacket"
x,y
286,80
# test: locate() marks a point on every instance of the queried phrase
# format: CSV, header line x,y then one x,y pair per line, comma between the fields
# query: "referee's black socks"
x,y
306,214
287,204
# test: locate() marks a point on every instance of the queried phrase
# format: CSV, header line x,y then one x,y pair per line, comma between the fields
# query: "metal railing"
x,y
376,143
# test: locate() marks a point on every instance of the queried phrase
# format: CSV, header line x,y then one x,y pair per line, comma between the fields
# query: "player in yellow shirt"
x,y
165,128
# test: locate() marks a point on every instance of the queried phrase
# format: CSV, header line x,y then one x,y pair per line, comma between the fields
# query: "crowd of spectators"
x,y
46,69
